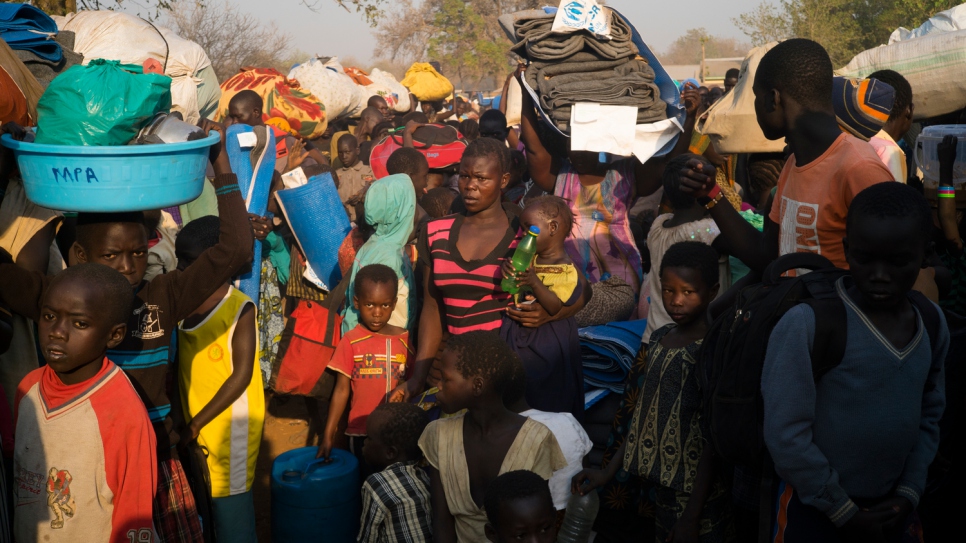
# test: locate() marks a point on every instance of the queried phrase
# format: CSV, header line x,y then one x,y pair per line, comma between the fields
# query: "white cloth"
x,y
659,240
574,443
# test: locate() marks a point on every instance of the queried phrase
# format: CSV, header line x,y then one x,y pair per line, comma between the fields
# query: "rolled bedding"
x,y
537,42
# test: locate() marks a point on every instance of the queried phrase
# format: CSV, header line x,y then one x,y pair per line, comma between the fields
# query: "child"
x,y
518,506
84,461
466,453
664,443
853,449
412,163
370,359
120,241
395,499
437,202
354,176
688,221
550,353
572,438
222,394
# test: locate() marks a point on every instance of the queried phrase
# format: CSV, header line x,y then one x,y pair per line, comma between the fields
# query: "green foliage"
x,y
843,27
461,44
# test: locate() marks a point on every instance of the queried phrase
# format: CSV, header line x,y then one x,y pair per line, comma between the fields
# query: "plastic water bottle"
x,y
579,519
522,258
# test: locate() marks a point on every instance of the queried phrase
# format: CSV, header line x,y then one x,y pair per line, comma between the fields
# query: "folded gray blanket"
x,y
44,70
626,82
537,42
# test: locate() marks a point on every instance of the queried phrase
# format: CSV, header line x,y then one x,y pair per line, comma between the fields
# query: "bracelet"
x,y
715,191
714,201
947,191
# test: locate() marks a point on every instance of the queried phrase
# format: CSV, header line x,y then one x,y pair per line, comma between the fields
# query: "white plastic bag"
x,y
574,15
950,20
331,85
387,81
934,65
119,36
731,122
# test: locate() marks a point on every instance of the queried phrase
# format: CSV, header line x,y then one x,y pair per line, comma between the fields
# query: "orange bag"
x,y
307,345
359,76
283,97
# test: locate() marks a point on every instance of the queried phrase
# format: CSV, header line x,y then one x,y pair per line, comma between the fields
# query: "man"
x,y
826,169
381,105
731,79
246,107
900,120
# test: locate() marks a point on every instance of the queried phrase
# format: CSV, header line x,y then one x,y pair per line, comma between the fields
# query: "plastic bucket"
x,y
315,499
112,178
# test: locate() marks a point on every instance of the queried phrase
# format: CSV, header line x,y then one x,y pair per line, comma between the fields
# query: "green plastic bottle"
x,y
522,259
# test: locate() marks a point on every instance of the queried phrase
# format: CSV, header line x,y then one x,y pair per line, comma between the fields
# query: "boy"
x,y
354,176
246,108
395,500
412,163
222,394
84,460
852,450
370,359
793,100
120,241
518,506
900,120
381,105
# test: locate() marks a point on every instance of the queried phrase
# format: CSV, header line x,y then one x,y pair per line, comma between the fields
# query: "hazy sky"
x,y
331,31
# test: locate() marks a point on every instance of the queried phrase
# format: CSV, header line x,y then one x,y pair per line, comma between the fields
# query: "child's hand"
x,y
325,448
296,156
946,150
867,526
588,480
684,532
261,226
527,278
902,508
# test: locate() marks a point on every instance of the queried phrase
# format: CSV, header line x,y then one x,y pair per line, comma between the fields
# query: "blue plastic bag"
x,y
103,103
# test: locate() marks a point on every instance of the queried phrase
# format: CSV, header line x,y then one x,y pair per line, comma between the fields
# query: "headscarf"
x,y
390,208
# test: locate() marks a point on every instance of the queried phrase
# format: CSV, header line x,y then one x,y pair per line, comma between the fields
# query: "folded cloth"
x,y
27,28
608,351
46,70
538,42
508,20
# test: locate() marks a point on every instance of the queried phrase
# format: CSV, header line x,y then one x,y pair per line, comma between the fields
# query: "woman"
x,y
600,196
390,208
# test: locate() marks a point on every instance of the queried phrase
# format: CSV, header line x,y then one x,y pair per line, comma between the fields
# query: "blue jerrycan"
x,y
315,499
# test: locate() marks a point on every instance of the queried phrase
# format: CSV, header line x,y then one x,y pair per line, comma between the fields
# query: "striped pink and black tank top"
x,y
472,297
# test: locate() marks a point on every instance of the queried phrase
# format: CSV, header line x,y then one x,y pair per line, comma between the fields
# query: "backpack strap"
x,y
929,314
828,345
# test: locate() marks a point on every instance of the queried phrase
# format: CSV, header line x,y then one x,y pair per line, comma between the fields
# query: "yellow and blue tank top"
x,y
205,363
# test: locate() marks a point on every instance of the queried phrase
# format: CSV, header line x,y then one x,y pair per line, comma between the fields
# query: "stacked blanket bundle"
x,y
608,352
578,67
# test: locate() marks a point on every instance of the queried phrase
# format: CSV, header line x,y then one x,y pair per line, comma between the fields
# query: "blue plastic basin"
x,y
112,178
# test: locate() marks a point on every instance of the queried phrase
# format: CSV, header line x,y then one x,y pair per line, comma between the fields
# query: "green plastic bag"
x,y
103,103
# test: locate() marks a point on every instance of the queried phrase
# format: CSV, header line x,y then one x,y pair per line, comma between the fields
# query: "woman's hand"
x,y
529,315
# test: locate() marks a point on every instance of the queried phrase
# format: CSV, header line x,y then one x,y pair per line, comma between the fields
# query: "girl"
x,y
664,443
550,353
466,453
687,221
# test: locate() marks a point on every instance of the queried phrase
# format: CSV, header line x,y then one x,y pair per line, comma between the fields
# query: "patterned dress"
x,y
665,442
601,244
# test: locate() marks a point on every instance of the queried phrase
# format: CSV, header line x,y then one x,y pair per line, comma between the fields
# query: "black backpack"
x,y
733,352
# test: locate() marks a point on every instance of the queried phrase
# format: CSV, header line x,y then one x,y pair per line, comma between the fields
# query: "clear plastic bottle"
x,y
522,259
579,519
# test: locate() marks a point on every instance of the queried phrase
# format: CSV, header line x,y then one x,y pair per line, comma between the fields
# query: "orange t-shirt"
x,y
812,201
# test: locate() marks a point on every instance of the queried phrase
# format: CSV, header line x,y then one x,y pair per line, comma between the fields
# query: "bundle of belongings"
x,y
607,352
36,41
582,67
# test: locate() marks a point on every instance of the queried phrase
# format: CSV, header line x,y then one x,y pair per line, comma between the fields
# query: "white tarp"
x,y
950,20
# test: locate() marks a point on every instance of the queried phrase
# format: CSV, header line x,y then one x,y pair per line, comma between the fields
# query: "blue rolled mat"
x,y
27,28
317,218
254,181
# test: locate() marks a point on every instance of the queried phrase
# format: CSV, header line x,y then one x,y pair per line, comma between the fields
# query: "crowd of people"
x,y
463,403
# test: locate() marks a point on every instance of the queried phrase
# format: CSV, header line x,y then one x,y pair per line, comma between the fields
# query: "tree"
x,y
231,38
687,48
404,36
461,45
843,27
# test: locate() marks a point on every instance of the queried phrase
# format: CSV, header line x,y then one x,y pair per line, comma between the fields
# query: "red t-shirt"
x,y
812,201
362,357
85,464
